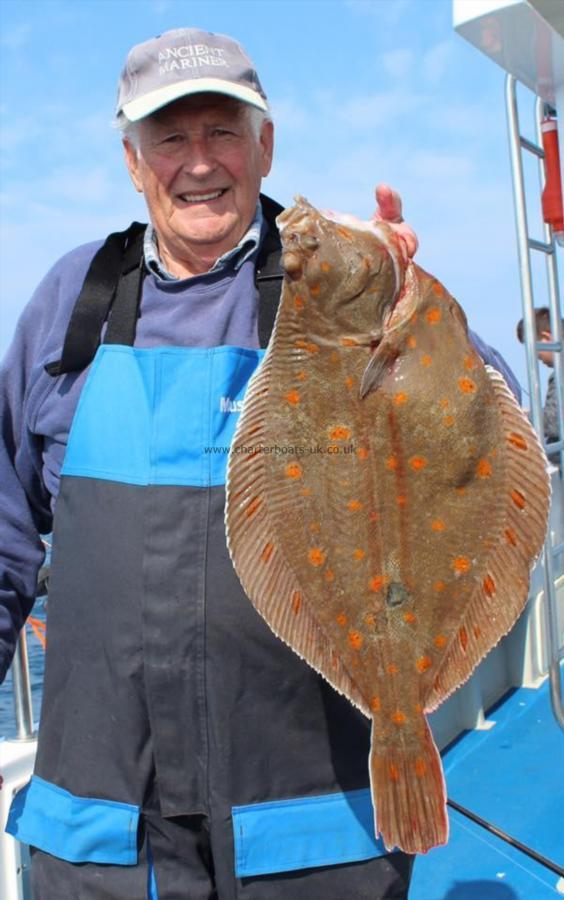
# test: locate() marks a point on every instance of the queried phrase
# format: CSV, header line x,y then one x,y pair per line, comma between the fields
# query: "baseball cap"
x,y
181,62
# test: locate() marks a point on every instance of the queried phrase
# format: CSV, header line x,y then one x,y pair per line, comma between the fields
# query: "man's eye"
x,y
172,139
222,132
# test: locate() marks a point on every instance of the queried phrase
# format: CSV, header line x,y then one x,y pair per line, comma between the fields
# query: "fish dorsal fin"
x,y
261,564
502,589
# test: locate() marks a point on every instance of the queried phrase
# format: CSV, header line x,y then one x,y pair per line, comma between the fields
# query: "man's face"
x,y
199,166
546,356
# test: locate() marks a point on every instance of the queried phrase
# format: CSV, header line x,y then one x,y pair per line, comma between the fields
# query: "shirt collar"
x,y
237,256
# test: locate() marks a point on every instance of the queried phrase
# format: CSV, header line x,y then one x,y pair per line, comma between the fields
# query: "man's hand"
x,y
388,210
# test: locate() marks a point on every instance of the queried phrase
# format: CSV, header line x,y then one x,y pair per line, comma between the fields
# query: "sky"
x,y
362,91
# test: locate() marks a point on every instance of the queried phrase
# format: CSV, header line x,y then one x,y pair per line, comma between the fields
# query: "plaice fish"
x,y
386,497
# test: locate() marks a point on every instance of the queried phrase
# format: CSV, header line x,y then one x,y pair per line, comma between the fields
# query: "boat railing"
x,y
25,729
525,244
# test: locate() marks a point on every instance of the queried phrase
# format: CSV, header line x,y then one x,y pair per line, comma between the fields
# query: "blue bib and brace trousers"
x,y
185,753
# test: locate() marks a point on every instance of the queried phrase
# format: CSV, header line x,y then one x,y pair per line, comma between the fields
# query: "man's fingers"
x,y
388,204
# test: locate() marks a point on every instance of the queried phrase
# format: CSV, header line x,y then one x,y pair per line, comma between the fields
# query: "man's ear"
x,y
132,163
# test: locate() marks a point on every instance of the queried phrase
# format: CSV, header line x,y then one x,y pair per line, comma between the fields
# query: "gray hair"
x,y
130,130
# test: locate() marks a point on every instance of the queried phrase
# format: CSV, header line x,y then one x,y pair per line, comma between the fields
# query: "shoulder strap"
x,y
120,255
269,272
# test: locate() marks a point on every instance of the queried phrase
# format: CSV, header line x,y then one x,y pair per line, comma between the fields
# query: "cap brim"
x,y
144,106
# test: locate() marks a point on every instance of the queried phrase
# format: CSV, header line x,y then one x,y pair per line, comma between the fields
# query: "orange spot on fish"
x,y
417,463
409,617
370,619
342,619
511,537
296,602
440,641
463,638
484,469
301,344
433,315
349,382
299,302
393,772
358,553
340,433
411,342
418,708
400,398
325,267
293,470
354,505
420,767
489,586
461,564
302,376
315,526
312,348
401,500
314,290
445,403
398,717
392,463
439,586
438,289
438,525
329,575
460,490
316,556
423,663
517,441
267,551
518,499
448,421
373,517
466,385
252,507
426,360
477,632
392,669
377,583
349,342
375,704
292,397
355,639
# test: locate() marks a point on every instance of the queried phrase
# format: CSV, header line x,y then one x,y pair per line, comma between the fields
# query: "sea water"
x,y
36,658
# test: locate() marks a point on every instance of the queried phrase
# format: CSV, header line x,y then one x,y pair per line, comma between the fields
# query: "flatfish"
x,y
386,497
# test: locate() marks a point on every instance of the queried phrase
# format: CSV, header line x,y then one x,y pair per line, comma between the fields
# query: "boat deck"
x,y
511,775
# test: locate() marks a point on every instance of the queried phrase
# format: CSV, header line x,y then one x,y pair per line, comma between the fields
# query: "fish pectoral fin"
x,y
408,791
380,365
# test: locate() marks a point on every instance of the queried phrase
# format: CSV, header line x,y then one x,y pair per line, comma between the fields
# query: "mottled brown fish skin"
x,y
391,546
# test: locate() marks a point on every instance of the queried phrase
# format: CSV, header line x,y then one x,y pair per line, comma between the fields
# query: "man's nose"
x,y
199,160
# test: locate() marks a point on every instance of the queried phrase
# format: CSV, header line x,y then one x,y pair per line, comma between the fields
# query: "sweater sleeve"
x,y
26,447
492,358
24,502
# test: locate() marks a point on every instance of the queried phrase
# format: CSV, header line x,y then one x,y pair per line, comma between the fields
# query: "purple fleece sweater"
x,y
36,410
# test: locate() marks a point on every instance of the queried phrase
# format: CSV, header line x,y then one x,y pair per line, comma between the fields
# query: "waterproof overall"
x,y
185,752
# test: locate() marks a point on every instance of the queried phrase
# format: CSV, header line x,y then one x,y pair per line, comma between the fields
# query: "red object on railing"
x,y
552,208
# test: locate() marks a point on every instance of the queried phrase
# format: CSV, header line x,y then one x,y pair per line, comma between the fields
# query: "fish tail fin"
x,y
408,791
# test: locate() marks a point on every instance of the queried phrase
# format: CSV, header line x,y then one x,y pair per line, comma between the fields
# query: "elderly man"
x,y
184,752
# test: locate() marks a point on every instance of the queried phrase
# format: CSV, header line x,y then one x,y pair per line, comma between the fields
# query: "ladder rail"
x,y
553,300
516,144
